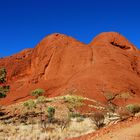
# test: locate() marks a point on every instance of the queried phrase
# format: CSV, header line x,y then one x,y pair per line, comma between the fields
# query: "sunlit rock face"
x,y
110,63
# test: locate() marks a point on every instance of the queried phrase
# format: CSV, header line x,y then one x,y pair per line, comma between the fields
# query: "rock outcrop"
x,y
109,64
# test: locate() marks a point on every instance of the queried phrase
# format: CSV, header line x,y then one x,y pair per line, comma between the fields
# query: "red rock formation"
x,y
110,63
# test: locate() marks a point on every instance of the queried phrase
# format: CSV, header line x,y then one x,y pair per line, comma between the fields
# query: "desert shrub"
x,y
30,104
41,99
62,118
74,114
111,107
123,113
74,100
80,119
37,92
51,112
2,95
77,115
133,108
6,87
3,88
3,75
98,118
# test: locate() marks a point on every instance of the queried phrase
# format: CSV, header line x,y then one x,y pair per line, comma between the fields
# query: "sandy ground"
x,y
130,133
125,130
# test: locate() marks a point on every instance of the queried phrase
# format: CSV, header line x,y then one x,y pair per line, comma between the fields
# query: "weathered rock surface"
x,y
110,63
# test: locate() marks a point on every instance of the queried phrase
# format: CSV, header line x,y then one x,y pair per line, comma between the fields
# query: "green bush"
x,y
41,99
74,114
3,75
74,100
2,95
3,88
38,92
133,108
30,104
79,117
51,112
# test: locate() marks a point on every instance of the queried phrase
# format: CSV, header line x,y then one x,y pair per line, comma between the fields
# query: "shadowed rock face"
x,y
110,63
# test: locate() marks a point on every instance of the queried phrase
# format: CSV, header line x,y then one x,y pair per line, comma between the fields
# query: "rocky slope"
x,y
124,130
110,64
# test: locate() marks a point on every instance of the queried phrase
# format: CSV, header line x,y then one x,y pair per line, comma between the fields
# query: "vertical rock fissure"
x,y
134,65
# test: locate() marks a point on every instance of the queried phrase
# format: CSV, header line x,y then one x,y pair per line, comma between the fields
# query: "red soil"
x,y
110,63
115,131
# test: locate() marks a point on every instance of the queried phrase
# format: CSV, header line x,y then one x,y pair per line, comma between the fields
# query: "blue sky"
x,y
23,23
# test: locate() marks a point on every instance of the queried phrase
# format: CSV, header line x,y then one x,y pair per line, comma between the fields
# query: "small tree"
x,y
37,92
3,75
98,118
51,112
30,104
41,100
3,88
2,95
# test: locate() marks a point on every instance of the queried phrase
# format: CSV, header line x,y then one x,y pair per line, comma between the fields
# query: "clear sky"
x,y
23,23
